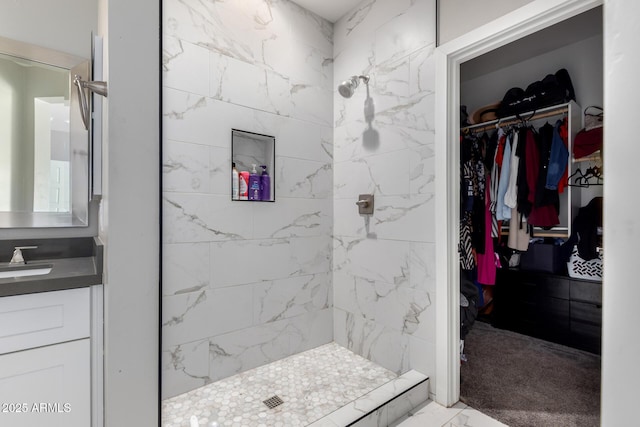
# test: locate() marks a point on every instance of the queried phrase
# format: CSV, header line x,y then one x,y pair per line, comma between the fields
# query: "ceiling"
x,y
331,10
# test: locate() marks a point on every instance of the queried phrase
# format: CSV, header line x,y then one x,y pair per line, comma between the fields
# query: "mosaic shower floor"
x,y
312,384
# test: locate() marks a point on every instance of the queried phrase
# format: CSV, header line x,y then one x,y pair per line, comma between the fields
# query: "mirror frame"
x,y
78,217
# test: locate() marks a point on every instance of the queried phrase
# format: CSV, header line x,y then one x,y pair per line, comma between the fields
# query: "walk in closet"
x,y
531,288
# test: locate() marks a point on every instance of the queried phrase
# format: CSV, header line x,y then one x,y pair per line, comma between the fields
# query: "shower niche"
x,y
252,152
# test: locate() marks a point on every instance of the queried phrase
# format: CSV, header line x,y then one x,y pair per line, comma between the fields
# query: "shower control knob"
x,y
365,204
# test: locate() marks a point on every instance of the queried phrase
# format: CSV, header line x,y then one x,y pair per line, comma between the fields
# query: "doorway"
x,y
449,57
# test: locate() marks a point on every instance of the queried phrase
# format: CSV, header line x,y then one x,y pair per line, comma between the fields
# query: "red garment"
x,y
500,150
487,260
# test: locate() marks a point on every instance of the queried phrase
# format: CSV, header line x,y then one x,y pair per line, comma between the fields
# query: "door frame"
x,y
520,23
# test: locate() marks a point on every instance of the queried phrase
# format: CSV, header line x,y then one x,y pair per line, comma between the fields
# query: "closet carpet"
x,y
524,382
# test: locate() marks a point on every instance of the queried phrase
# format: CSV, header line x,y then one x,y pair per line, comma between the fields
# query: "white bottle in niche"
x,y
235,182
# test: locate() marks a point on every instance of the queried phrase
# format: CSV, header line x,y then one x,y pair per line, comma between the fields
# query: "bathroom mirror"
x,y
44,147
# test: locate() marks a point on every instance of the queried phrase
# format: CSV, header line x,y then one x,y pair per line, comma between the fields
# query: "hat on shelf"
x,y
485,113
587,142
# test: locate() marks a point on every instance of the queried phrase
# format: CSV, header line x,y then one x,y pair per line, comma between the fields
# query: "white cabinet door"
x,y
46,386
35,320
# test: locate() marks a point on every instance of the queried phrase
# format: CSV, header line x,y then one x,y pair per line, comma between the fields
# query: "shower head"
x,y
348,87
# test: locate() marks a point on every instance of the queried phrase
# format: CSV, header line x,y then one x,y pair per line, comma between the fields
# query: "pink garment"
x,y
487,260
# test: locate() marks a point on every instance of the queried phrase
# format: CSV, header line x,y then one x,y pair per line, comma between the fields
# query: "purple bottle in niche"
x,y
254,185
265,184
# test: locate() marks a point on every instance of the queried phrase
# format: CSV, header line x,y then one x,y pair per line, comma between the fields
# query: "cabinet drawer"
x,y
57,376
586,312
554,286
586,336
554,310
586,291
35,320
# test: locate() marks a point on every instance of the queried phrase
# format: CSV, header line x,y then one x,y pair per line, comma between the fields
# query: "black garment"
x,y
491,144
469,313
472,195
584,231
524,206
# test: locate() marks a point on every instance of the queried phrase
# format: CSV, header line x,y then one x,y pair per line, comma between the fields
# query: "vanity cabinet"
x,y
552,307
45,359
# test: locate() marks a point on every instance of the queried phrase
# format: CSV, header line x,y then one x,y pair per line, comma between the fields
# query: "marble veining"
x,y
179,318
358,16
194,220
248,284
383,264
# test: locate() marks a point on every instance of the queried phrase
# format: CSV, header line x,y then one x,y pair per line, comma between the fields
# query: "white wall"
x,y
130,217
457,17
583,61
620,371
244,283
384,264
63,25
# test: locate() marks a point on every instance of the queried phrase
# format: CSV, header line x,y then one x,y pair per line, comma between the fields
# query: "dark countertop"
x,y
67,273
74,271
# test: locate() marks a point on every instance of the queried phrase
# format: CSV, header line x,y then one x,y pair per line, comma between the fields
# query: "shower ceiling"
x,y
331,10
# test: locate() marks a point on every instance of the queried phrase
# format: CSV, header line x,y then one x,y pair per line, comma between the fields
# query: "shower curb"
x,y
382,406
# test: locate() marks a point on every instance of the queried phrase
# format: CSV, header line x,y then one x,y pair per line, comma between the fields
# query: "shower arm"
x,y
93,86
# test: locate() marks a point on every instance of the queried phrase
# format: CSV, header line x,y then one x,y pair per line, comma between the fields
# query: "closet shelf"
x,y
542,113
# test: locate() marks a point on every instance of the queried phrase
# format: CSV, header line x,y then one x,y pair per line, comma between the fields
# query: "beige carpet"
x,y
526,382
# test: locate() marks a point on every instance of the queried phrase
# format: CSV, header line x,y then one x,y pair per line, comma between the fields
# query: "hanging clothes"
x,y
467,256
511,196
503,212
487,260
473,227
563,132
498,150
525,147
519,234
544,203
557,158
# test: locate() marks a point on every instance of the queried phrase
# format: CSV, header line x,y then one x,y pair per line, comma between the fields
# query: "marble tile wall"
x,y
248,283
244,283
383,276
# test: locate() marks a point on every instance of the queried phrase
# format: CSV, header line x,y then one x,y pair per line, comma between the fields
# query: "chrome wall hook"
x,y
92,86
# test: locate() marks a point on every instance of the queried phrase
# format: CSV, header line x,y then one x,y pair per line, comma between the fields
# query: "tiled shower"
x,y
249,283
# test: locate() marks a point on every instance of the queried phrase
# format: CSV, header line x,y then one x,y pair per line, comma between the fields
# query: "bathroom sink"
x,y
24,270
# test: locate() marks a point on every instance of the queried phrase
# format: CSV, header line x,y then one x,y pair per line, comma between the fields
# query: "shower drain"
x,y
273,401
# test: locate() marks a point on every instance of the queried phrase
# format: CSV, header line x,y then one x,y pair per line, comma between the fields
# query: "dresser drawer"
x,y
554,286
34,320
586,291
586,312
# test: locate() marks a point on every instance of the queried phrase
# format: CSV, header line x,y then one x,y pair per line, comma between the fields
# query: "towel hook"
x,y
92,86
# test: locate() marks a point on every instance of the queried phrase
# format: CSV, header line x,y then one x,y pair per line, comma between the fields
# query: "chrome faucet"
x,y
17,257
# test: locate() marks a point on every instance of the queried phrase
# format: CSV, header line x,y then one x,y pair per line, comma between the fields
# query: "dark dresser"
x,y
549,306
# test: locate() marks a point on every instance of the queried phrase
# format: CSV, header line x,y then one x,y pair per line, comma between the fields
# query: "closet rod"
x,y
510,120
538,233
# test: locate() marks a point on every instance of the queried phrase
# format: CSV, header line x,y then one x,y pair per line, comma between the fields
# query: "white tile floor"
x,y
313,384
460,415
